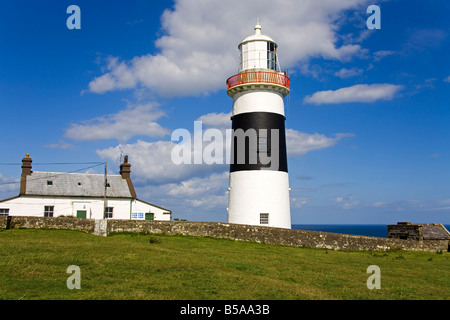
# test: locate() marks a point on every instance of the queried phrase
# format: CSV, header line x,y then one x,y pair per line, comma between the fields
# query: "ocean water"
x,y
372,230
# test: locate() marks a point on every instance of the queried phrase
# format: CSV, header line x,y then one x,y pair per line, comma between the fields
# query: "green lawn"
x,y
33,265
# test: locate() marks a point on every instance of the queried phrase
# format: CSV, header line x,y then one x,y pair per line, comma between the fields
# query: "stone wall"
x,y
405,230
84,225
268,235
278,236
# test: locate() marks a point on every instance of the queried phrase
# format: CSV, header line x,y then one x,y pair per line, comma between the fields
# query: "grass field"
x,y
33,265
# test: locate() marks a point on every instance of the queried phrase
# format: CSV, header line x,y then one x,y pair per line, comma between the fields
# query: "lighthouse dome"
x,y
258,36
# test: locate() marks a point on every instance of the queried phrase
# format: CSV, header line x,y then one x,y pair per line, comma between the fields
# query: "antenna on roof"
x,y
121,155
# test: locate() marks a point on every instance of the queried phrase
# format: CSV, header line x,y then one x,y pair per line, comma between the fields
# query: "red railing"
x,y
258,77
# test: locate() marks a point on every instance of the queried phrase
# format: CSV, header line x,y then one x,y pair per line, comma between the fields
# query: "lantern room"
x,y
258,52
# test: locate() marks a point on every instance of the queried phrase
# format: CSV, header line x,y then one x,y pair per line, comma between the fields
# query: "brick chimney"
x,y
125,172
26,171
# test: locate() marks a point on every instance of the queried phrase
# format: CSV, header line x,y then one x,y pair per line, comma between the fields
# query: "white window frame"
x,y
49,211
109,212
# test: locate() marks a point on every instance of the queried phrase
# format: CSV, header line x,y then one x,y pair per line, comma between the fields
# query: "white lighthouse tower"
x,y
259,182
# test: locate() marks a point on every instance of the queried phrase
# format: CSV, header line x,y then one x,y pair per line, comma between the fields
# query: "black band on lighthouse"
x,y
258,142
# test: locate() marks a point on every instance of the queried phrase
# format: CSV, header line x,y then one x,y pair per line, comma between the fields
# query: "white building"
x,y
82,195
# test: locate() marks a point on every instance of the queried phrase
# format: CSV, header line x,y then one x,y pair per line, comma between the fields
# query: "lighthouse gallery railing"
x,y
258,77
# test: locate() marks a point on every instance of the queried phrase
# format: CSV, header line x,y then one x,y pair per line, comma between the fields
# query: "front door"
x,y
149,216
81,214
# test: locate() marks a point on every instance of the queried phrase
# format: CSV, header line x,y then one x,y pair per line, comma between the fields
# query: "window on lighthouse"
x,y
263,218
272,56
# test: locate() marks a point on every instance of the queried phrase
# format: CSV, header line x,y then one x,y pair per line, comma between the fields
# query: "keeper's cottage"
x,y
82,195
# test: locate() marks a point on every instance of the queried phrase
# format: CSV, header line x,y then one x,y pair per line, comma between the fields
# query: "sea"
x,y
371,230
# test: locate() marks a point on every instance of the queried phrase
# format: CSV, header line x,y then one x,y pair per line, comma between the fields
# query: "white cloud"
x,y
348,73
447,79
197,198
198,186
123,125
216,120
427,84
414,205
302,177
206,192
299,143
152,163
379,204
199,48
347,202
378,55
357,93
297,203
60,145
422,40
119,77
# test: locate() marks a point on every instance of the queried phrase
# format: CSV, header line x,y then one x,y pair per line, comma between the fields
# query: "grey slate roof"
x,y
76,185
434,231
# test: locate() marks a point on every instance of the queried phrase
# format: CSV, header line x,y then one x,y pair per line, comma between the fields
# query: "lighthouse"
x,y
258,181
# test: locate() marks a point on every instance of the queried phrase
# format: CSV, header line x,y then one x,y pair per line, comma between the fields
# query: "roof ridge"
x,y
92,174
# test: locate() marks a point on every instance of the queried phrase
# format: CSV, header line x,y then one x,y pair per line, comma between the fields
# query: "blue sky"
x,y
367,117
